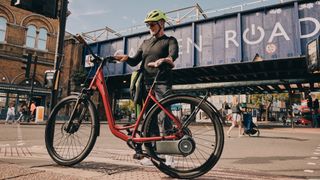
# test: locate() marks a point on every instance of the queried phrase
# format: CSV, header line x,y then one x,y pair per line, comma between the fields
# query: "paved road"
x,y
280,153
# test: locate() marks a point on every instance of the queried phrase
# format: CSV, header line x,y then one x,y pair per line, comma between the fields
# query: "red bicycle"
x,y
194,141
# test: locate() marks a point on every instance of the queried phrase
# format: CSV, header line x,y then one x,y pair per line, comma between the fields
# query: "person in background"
x,y
284,120
310,106
23,112
10,113
32,110
236,117
224,109
315,113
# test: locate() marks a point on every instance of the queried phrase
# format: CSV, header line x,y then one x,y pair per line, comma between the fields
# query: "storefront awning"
x,y
14,88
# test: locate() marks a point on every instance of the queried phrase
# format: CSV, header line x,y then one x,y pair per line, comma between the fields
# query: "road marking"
x,y
20,140
316,153
311,163
17,151
314,157
308,171
28,151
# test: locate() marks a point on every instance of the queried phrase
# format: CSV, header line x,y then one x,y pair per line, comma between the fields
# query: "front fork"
x,y
71,126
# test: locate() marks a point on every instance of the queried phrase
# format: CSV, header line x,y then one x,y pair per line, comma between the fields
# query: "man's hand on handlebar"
x,y
159,62
121,58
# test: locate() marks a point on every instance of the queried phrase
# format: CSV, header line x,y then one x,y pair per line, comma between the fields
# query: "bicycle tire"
x,y
201,140
57,122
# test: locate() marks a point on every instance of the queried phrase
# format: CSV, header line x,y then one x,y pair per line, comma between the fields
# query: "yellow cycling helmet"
x,y
155,15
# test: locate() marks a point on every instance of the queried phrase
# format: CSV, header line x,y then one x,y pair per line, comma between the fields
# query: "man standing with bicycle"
x,y
157,52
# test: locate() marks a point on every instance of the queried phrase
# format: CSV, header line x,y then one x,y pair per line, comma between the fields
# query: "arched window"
x,y
31,36
36,38
3,28
42,41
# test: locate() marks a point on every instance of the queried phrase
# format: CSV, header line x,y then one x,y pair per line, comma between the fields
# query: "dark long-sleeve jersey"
x,y
151,50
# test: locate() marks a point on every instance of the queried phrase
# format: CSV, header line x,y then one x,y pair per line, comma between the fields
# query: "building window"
x,y
3,28
36,39
42,42
31,36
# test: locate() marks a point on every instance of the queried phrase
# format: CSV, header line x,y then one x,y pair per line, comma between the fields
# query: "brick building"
x,y
23,32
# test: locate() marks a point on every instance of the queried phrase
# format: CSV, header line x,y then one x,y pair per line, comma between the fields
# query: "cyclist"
x,y
157,50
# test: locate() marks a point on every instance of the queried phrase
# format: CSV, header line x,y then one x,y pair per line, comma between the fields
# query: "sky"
x,y
89,15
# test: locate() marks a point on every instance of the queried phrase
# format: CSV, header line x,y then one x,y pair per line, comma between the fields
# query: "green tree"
x,y
127,106
266,101
79,76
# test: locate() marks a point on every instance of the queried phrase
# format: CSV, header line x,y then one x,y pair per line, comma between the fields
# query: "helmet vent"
x,y
155,15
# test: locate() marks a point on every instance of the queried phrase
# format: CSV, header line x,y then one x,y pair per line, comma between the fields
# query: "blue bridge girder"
x,y
221,49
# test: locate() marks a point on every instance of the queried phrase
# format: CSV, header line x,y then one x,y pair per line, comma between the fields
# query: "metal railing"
x,y
186,14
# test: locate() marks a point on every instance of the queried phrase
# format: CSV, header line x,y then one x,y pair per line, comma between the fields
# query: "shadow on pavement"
x,y
107,168
286,138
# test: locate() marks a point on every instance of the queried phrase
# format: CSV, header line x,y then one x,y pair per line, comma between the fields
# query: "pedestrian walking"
x,y
236,117
10,113
23,111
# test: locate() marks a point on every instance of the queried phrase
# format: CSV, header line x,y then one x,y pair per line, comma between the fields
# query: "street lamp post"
x,y
32,85
33,76
59,52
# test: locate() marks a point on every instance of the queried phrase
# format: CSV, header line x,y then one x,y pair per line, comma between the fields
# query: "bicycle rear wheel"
x,y
201,143
69,147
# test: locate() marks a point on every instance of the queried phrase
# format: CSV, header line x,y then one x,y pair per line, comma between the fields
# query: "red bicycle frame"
x,y
98,82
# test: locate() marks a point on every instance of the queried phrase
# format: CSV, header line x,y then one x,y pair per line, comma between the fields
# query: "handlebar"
x,y
80,39
109,59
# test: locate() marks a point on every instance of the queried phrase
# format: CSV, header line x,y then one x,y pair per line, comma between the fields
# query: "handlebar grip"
x,y
110,59
80,38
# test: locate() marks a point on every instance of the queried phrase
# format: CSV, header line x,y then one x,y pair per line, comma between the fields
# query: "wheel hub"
x,y
73,128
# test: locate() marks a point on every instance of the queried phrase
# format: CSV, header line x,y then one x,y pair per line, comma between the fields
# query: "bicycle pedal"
x,y
139,156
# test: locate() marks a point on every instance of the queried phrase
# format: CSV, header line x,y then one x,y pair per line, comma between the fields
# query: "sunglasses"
x,y
151,24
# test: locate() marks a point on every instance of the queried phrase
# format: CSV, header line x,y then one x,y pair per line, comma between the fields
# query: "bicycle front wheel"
x,y
201,143
70,146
